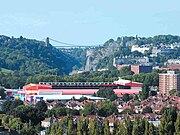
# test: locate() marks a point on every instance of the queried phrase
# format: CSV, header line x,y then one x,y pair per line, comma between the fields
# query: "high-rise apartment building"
x,y
169,81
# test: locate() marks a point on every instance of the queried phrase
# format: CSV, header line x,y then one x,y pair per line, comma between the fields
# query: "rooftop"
x,y
67,97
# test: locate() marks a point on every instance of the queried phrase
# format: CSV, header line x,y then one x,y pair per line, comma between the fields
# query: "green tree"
x,y
177,125
93,127
120,129
168,119
136,129
151,129
70,130
107,93
115,128
9,106
145,92
126,71
2,93
53,129
72,112
137,54
28,114
64,124
27,130
89,109
15,104
41,106
146,132
83,98
80,127
6,106
59,130
21,112
14,123
126,97
39,128
151,79
48,130
147,109
128,126
163,127
173,92
142,126
107,108
85,126
56,111
131,111
135,97
106,128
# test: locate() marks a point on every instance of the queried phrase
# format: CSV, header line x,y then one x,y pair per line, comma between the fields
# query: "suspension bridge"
x,y
69,47
60,44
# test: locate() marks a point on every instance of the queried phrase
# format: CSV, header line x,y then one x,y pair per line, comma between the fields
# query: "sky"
x,y
88,22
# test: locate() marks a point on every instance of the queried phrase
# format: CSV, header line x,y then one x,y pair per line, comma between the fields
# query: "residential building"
x,y
128,60
137,69
155,51
139,49
167,51
173,61
174,66
169,81
119,67
48,122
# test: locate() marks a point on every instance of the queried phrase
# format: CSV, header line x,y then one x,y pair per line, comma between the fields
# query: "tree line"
x,y
169,125
17,80
28,119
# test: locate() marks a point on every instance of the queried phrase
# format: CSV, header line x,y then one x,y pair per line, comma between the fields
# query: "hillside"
x,y
103,57
32,57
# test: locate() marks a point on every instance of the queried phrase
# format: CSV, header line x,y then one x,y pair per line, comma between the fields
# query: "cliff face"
x,y
104,52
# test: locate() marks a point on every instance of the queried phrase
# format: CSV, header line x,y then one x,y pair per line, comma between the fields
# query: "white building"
x,y
130,60
155,52
173,61
139,49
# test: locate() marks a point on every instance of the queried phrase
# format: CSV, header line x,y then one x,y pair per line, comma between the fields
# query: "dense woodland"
x,y
158,39
79,54
31,57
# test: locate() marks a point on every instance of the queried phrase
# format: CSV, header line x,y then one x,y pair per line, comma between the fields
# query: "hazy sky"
x,y
88,22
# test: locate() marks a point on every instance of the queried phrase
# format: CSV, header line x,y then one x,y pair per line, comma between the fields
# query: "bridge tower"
x,y
47,42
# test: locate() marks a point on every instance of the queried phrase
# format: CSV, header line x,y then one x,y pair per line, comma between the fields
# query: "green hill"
x,y
32,57
103,57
